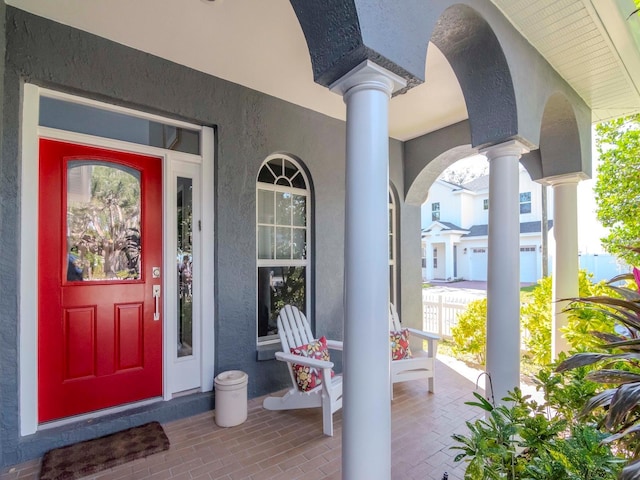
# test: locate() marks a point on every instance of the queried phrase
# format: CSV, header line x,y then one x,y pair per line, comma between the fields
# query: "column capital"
x,y
368,75
566,179
511,148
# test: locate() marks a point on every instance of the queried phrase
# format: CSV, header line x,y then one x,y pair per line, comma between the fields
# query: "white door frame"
x,y
28,303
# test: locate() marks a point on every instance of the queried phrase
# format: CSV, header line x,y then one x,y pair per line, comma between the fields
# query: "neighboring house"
x,y
455,229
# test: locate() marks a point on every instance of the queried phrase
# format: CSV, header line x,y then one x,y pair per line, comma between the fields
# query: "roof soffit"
x,y
590,43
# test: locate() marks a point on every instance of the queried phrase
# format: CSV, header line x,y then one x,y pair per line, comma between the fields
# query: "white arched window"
x,y
283,242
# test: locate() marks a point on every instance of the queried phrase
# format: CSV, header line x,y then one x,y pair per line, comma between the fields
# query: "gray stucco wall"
x,y
4,265
250,126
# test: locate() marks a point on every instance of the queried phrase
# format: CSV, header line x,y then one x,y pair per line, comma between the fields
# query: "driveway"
x,y
464,285
468,287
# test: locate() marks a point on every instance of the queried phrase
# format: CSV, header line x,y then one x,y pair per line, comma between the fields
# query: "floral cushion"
x,y
309,378
400,344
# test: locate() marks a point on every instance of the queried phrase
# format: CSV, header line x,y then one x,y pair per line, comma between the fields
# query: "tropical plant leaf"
x,y
631,471
482,403
459,457
619,435
623,345
602,399
620,278
612,376
607,337
626,293
607,301
623,402
584,359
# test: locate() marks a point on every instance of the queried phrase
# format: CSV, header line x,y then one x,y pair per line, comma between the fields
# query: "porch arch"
x,y
560,148
418,190
472,49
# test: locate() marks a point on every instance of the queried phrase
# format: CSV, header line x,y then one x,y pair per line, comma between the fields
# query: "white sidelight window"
x,y
283,242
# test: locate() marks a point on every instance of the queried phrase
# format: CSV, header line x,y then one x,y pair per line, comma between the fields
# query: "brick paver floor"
x,y
290,445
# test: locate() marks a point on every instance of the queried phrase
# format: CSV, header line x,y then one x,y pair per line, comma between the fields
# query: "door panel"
x,y
100,234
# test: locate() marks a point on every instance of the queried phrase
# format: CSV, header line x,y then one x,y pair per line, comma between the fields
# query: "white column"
x,y
366,401
429,259
565,258
503,270
448,258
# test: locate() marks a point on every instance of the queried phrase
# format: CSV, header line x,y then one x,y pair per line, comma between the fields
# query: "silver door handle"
x,y
156,298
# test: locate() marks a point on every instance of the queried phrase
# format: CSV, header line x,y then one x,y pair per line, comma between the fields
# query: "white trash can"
x,y
231,398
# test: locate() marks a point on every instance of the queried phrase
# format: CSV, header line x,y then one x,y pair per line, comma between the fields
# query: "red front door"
x,y
100,237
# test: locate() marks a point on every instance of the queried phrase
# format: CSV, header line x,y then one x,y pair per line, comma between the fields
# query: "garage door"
x,y
528,265
478,264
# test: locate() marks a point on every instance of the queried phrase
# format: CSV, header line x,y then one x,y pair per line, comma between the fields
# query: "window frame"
x,y
435,212
278,262
485,204
523,203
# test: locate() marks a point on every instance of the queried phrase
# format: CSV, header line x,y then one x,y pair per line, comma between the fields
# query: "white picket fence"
x,y
440,310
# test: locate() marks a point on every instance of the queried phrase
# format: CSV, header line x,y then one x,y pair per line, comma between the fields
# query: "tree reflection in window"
x,y
103,222
282,242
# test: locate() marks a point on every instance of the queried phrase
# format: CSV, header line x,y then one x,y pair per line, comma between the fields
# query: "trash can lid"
x,y
232,377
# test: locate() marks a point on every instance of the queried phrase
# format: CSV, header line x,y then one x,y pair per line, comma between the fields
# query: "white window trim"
x,y
280,262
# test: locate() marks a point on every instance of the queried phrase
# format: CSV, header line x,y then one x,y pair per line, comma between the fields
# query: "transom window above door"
x,y
283,227
92,120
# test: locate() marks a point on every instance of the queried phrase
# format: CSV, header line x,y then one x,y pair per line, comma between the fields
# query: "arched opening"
x,y
560,151
477,58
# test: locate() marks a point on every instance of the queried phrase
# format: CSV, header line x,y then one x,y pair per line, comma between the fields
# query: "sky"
x,y
590,231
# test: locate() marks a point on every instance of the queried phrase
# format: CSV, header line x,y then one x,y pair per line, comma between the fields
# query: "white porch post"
x,y
448,258
503,270
366,432
429,259
565,259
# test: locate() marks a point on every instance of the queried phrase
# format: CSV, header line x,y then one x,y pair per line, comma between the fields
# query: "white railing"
x,y
440,310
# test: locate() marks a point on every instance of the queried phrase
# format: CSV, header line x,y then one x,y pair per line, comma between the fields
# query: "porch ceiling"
x,y
260,45
592,44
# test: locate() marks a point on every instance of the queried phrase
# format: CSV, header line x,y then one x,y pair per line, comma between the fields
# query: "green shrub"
x,y
615,367
470,333
568,392
535,318
525,440
584,319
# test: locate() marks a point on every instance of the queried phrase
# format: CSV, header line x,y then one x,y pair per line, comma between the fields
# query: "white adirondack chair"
x,y
294,331
422,365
